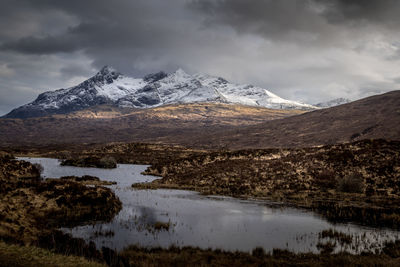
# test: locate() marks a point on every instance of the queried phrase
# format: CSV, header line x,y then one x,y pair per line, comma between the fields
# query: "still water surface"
x,y
203,221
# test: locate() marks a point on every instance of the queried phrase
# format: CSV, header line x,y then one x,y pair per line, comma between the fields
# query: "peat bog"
x,y
353,182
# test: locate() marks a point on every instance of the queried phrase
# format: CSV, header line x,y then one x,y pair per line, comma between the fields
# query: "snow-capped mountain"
x,y
109,86
333,103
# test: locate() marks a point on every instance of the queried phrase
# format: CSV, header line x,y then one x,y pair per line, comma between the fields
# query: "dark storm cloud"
x,y
272,18
99,25
117,33
149,27
283,19
309,50
44,45
385,12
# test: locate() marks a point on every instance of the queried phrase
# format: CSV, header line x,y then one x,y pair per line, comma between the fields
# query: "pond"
x,y
186,218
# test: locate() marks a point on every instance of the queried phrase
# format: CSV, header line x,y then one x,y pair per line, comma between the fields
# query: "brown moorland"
x,y
376,160
372,117
104,124
358,181
213,126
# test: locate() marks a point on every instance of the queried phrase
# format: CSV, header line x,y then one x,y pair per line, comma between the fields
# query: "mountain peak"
x,y
107,73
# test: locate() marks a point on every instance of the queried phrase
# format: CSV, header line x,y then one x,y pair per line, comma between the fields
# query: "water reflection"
x,y
204,221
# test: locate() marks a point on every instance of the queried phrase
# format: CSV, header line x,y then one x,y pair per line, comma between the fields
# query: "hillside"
x,y
168,124
372,117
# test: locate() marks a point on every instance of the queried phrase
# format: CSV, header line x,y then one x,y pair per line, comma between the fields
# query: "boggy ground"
x,y
358,181
132,153
199,257
31,210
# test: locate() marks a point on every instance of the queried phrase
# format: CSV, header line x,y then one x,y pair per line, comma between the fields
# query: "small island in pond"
x,y
93,162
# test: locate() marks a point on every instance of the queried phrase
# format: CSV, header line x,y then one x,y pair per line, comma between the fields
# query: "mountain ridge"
x,y
110,87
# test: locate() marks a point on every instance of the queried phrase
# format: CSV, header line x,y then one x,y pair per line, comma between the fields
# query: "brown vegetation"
x,y
162,226
133,153
94,162
85,180
167,124
372,117
206,257
31,209
309,177
30,256
342,238
357,181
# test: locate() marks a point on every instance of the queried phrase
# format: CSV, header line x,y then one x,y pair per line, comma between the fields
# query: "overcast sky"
x,y
306,50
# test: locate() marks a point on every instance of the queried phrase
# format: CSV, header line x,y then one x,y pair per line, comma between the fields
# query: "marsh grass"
x,y
327,247
162,226
29,256
342,238
353,183
190,256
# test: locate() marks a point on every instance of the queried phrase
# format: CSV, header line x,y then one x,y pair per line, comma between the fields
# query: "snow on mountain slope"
x,y
249,94
109,86
333,103
120,87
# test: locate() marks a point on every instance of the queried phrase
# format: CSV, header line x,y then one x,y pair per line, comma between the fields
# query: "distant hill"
x,y
372,117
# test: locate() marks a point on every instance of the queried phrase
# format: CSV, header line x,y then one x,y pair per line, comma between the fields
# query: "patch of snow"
x,y
121,87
